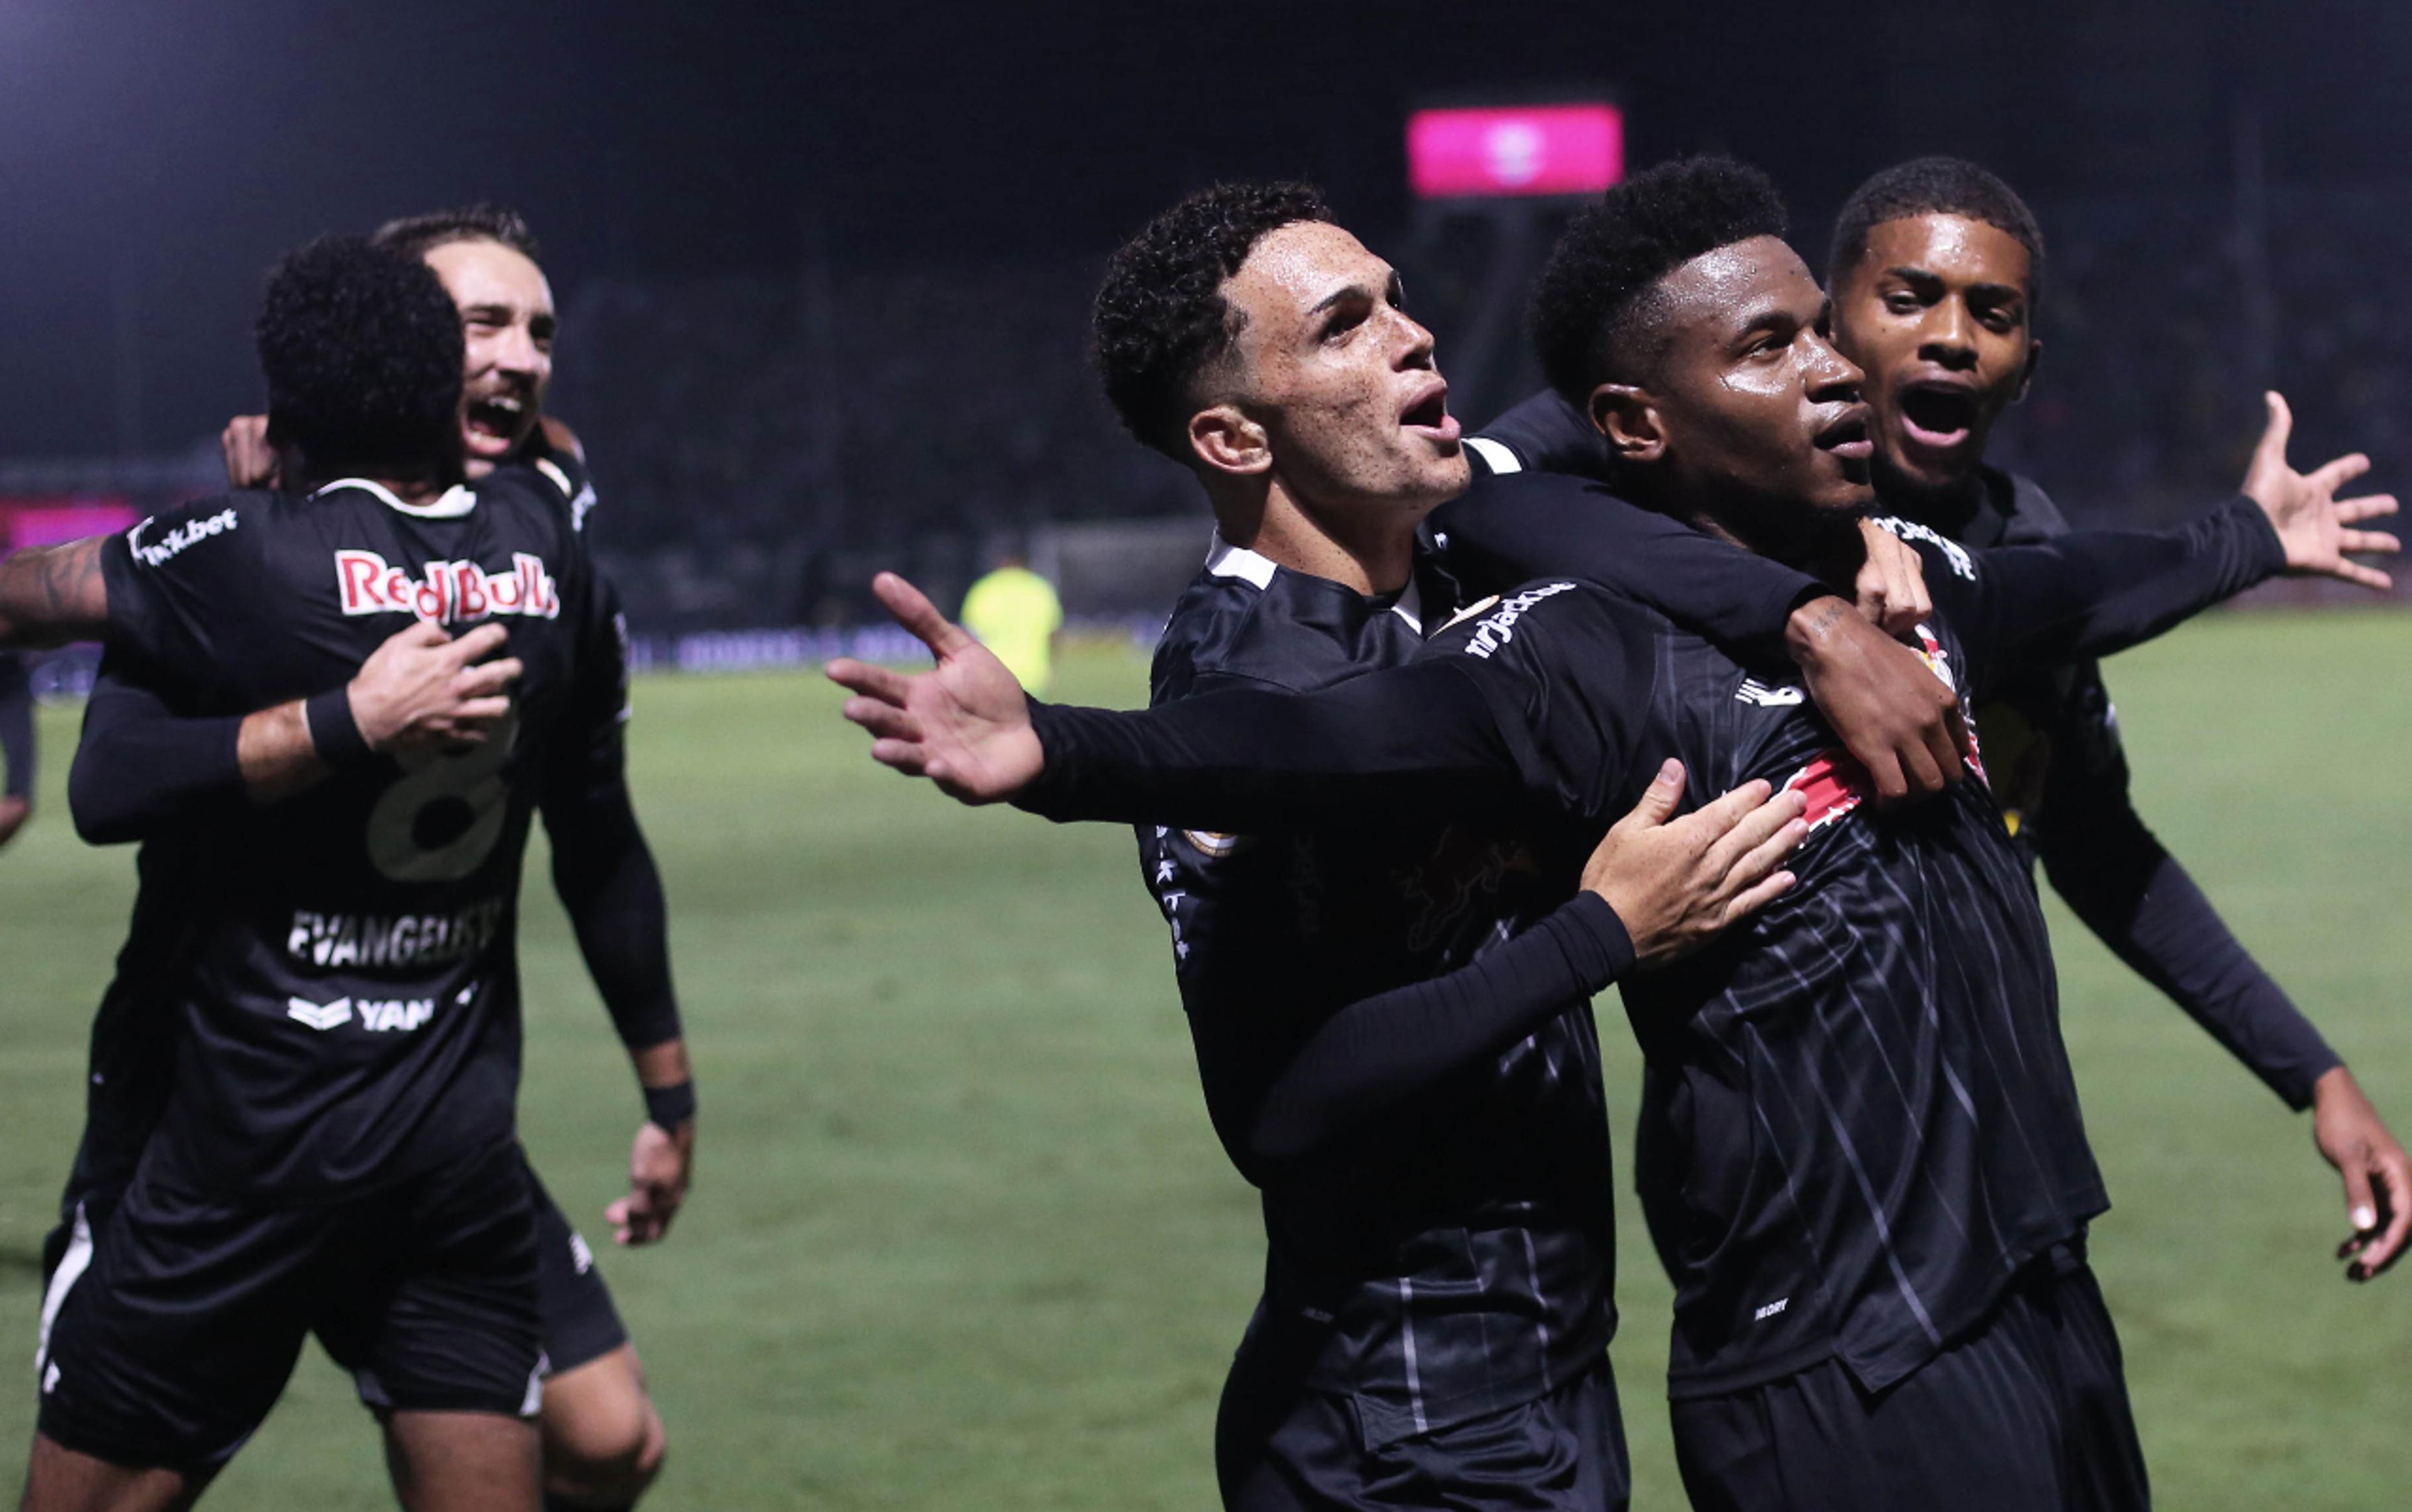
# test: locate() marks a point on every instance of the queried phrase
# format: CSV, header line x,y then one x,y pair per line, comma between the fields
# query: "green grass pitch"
x,y
962,1237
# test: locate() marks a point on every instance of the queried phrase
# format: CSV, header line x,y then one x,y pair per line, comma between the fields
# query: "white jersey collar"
x,y
1224,560
456,501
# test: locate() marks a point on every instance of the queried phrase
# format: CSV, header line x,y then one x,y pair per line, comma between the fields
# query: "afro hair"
x,y
361,348
1934,187
1161,320
1603,268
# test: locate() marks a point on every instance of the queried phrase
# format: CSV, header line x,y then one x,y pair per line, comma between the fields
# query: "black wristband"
x,y
334,733
670,1106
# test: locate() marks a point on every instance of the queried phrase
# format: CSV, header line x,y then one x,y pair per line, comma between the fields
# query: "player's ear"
x,y
2026,374
1624,413
1227,441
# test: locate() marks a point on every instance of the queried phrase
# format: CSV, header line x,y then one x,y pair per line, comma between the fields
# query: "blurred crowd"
x,y
766,442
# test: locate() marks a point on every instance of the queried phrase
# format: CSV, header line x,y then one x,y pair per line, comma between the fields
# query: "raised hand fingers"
x,y
873,681
913,609
2368,506
885,721
906,757
2270,451
2354,572
2333,476
2369,542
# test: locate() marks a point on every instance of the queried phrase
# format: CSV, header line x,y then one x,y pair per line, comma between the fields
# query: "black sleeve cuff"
x,y
1595,940
2268,553
334,734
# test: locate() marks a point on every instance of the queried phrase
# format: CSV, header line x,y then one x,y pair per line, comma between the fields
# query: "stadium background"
x,y
962,1237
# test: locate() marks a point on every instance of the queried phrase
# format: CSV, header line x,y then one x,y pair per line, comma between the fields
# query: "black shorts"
x,y
1306,1451
2027,1413
172,1323
580,1325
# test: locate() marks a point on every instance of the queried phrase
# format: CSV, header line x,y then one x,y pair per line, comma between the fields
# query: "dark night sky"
x,y
157,156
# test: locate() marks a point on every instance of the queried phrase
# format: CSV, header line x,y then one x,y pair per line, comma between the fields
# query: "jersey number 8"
x,y
440,820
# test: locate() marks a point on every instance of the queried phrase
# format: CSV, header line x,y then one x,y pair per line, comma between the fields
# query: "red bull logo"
x,y
1832,785
447,592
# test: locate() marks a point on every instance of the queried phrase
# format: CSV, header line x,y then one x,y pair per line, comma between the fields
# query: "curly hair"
x,y
361,348
1161,321
1584,317
415,236
1935,187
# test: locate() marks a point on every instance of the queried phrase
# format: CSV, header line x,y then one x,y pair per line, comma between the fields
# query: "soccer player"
x,y
16,747
1860,1151
1437,1273
1015,613
604,1437
1936,270
337,1153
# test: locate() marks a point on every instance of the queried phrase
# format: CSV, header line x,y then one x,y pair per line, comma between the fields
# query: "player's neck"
x,y
420,486
1946,504
1370,549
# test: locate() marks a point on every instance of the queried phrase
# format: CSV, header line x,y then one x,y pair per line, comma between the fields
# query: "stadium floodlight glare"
x,y
1491,151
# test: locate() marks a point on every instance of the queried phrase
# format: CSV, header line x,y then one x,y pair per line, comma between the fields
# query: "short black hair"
x,y
415,236
1612,255
1934,187
361,348
1161,320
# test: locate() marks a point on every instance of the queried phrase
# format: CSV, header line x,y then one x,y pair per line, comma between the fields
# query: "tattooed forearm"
x,y
52,595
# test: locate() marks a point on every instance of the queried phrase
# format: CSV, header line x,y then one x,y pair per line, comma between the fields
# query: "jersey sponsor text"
x,y
448,591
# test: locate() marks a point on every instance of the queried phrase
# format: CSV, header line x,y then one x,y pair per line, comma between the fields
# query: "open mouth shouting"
x,y
493,423
1937,415
1428,415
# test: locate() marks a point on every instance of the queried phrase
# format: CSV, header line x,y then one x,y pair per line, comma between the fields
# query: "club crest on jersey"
x,y
1832,785
447,592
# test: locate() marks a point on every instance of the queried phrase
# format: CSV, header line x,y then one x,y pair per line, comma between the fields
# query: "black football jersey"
x,y
1453,1254
336,972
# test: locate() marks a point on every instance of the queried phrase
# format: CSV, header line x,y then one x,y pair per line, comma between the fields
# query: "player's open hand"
x,y
1674,883
424,688
1886,704
965,724
251,463
1891,582
2378,1175
2312,522
660,1164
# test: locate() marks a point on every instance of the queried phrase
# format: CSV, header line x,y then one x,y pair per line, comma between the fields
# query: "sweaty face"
x,y
508,323
1936,312
1340,379
1760,413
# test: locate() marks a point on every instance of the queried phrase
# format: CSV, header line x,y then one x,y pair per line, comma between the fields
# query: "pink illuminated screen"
x,y
47,521
1515,149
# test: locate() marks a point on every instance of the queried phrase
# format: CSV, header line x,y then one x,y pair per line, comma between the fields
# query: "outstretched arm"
x,y
1416,736
2115,875
52,595
1885,705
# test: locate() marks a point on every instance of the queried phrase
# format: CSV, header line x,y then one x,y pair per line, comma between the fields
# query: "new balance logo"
x,y
392,1016
1755,692
448,591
